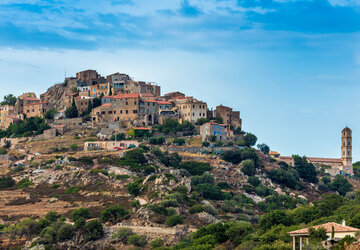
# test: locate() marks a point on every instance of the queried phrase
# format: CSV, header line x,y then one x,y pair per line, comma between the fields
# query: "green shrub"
x,y
208,191
52,216
248,167
74,147
219,144
205,144
157,140
156,243
135,188
80,213
24,183
122,177
6,182
202,179
196,209
3,151
94,230
195,168
55,186
254,181
80,223
174,220
72,190
179,141
86,160
66,232
114,213
122,234
137,240
224,185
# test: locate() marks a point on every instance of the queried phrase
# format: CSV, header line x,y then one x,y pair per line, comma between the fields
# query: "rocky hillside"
x,y
56,94
65,198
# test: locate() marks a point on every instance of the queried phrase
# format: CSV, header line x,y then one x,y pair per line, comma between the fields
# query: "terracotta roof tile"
x,y
328,227
315,159
141,128
131,95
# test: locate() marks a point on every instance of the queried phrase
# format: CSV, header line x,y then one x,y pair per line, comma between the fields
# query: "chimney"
x,y
344,223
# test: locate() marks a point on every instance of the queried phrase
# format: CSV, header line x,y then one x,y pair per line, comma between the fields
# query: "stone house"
x,y
5,111
117,82
191,109
110,145
228,116
221,131
37,109
101,89
90,77
340,231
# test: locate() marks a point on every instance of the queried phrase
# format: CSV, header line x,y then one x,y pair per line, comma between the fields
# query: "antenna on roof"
x,y
65,73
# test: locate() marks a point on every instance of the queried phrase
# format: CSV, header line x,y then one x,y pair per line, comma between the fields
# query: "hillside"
x,y
153,193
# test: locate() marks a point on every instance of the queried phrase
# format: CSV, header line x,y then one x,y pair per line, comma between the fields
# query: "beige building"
x,y
110,145
332,166
37,109
191,109
228,116
340,231
5,112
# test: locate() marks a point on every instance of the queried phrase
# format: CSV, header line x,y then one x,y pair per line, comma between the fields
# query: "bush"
x,y
72,190
195,168
156,243
24,183
205,178
208,191
6,182
264,148
3,151
114,213
74,147
179,141
248,167
341,185
277,217
219,144
52,216
174,220
201,121
94,230
80,223
137,240
233,156
135,188
224,185
122,234
250,139
80,213
66,232
205,144
254,181
157,140
86,160
306,170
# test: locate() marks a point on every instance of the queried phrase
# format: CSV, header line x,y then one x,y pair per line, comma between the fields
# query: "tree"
x,y
238,230
277,217
137,240
201,121
66,232
196,167
9,99
219,119
80,213
341,185
208,191
114,213
250,139
94,230
307,170
205,144
254,181
72,112
317,234
174,220
248,167
264,148
50,114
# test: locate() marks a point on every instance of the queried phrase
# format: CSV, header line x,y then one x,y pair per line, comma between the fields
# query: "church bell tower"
x,y
346,151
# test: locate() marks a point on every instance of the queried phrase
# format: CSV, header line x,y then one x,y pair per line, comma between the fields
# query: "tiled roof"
x,y
141,128
131,95
273,153
328,227
164,102
328,160
106,105
31,99
146,95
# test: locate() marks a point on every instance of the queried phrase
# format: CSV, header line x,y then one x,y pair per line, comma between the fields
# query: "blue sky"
x,y
292,67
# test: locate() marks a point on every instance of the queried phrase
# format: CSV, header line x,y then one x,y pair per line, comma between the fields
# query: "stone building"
x,y
117,82
90,77
228,116
5,112
222,132
110,145
172,95
37,109
191,109
332,166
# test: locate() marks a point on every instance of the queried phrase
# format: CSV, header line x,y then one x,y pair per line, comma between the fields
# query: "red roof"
x,y
31,99
106,105
131,95
141,128
338,228
164,102
325,160
286,157
273,153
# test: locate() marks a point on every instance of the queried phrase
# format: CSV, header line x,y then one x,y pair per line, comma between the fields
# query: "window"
x,y
193,114
127,111
126,103
135,103
135,111
121,111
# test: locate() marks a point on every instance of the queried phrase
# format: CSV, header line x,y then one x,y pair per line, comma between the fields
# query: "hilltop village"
x,y
112,163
